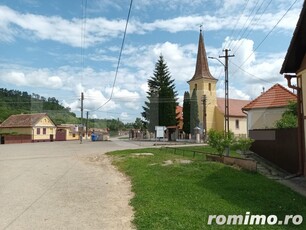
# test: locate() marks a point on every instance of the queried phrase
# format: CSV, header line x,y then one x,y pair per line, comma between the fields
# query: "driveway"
x,y
63,185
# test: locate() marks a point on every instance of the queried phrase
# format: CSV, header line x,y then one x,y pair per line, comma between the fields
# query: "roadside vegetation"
x,y
179,191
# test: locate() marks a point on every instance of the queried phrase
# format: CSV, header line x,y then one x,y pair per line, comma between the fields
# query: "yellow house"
x,y
67,132
205,84
294,67
38,127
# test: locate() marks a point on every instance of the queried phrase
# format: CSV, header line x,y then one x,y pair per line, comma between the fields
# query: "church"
x,y
205,86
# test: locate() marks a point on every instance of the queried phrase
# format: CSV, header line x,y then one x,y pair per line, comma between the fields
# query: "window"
x,y
195,86
209,86
44,131
237,124
38,131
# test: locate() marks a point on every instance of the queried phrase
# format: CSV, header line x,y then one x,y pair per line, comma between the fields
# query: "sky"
x,y
62,48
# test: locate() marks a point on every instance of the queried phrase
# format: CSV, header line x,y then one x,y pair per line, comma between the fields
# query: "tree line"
x,y
17,102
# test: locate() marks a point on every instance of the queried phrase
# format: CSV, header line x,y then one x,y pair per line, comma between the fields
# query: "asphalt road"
x,y
63,185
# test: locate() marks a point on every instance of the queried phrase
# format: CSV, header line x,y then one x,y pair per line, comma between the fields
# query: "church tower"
x,y
204,84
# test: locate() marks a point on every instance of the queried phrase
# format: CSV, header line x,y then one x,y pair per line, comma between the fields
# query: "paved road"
x,y
63,185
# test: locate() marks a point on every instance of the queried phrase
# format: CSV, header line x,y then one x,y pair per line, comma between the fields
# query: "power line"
x,y
119,58
268,34
238,19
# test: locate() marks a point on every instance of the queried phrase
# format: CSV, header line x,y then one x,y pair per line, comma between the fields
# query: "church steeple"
x,y
202,69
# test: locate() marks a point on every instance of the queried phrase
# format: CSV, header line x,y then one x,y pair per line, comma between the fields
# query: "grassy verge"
x,y
181,196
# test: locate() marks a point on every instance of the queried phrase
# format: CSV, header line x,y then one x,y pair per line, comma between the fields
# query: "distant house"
x,y
237,119
294,66
266,109
28,127
179,116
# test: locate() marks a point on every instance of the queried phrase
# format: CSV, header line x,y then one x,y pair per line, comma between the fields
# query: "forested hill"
x,y
17,102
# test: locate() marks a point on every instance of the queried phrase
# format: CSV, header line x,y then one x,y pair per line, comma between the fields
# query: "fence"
x,y
247,164
11,139
279,146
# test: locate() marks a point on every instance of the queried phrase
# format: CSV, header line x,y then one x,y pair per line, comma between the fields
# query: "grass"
x,y
181,196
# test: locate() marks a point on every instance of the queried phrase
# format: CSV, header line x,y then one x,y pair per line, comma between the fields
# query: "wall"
x,y
203,89
279,146
264,118
17,130
242,130
46,123
302,83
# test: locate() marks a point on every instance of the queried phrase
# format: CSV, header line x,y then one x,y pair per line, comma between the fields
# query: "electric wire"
x,y
119,58
268,34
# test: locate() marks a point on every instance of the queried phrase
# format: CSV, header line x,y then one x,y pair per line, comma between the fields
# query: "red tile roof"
x,y
276,96
22,120
179,112
235,107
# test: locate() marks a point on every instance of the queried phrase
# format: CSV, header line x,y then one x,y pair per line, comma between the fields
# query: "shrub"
x,y
243,144
219,140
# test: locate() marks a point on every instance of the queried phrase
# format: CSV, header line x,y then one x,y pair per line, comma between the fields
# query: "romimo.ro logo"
x,y
249,219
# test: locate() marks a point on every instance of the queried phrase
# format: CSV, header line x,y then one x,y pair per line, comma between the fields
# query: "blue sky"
x,y
50,48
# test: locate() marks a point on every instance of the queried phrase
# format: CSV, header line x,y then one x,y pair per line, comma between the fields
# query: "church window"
x,y
209,86
195,86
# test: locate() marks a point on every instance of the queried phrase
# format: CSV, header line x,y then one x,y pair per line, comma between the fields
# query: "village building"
x,y
264,111
27,128
294,67
67,132
205,84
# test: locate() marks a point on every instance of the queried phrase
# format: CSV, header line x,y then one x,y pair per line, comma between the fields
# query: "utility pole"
x,y
226,114
82,127
204,100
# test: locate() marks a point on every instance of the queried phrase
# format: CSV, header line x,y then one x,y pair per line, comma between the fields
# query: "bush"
x,y
220,141
243,144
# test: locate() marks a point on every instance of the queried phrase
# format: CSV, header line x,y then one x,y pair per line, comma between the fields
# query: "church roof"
x,y
275,97
235,107
202,68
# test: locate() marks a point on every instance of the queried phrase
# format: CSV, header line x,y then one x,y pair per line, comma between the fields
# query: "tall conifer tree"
x,y
160,109
186,113
194,112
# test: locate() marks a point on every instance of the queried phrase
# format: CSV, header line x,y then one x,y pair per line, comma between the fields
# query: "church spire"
x,y
202,69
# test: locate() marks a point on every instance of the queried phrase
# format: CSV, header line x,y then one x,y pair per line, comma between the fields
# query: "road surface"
x,y
63,185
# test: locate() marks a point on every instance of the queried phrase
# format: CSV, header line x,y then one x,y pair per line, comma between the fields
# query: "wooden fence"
x,y
279,146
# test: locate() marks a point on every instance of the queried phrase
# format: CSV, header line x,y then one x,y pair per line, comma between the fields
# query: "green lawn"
x,y
181,196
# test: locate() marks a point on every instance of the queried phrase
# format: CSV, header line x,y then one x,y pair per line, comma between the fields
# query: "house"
x,y
205,85
28,128
67,132
266,109
179,116
237,119
294,67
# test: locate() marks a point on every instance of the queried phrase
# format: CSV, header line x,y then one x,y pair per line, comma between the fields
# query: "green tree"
x,y
289,117
186,113
194,112
138,124
160,109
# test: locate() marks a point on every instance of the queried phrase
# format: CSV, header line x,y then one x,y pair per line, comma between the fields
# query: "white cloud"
x,y
100,29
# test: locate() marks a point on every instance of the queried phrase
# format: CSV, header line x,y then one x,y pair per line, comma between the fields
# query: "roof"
x,y
179,112
22,120
235,107
297,47
276,96
202,68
